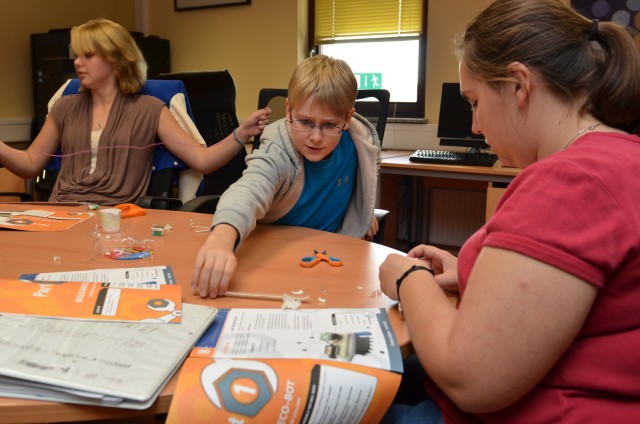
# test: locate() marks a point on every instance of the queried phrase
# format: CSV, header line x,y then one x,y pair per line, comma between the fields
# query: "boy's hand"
x,y
215,263
373,229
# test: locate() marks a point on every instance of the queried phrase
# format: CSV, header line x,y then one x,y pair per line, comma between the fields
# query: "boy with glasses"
x,y
316,168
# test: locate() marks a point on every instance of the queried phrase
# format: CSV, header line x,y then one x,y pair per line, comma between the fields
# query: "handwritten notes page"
x,y
302,366
121,365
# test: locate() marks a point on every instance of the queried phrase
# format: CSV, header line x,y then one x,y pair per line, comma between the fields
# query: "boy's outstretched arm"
x,y
215,262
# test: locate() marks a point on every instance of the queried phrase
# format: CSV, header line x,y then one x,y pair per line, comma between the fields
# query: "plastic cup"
x,y
110,220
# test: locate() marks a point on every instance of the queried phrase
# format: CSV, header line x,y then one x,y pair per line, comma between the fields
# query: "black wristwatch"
x,y
406,273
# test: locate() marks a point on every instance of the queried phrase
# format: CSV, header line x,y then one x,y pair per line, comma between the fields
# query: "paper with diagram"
x,y
291,366
159,274
153,303
42,220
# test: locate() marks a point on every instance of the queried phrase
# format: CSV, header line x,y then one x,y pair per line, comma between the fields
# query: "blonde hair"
x,y
330,80
114,43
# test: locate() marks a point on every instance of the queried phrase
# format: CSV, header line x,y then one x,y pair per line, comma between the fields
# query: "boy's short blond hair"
x,y
113,42
331,81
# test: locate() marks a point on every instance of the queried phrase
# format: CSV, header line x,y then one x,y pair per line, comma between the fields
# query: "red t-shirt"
x,y
577,210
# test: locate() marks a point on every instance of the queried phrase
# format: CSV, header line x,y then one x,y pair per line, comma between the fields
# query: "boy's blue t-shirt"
x,y
327,189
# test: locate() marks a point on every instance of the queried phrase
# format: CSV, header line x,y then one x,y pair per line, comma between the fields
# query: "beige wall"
x,y
257,43
446,19
260,44
19,19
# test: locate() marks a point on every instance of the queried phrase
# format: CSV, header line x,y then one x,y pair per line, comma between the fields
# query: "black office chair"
x,y
11,196
368,108
266,95
202,204
212,95
265,98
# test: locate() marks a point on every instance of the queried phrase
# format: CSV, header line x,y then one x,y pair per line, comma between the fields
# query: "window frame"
x,y
398,111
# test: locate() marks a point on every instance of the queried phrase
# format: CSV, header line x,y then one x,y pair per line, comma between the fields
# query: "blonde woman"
x,y
106,133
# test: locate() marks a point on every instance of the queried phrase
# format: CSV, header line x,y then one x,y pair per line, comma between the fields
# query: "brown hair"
x,y
577,57
330,80
113,42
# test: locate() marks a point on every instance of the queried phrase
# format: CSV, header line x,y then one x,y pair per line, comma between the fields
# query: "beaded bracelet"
x,y
407,272
240,142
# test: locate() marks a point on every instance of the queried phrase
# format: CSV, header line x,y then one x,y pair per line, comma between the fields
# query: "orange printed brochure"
x,y
280,390
149,303
294,386
41,220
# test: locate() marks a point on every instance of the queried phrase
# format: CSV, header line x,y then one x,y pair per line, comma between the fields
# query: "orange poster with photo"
x,y
280,391
41,220
149,303
282,366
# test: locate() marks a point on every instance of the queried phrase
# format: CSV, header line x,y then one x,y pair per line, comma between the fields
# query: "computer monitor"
x,y
454,125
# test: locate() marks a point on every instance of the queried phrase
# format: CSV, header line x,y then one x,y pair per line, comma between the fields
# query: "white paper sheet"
x,y
158,274
118,364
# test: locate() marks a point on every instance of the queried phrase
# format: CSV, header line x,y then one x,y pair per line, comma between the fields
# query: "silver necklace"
x,y
582,131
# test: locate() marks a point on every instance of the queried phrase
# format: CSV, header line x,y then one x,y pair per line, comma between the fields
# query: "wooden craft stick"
x,y
264,296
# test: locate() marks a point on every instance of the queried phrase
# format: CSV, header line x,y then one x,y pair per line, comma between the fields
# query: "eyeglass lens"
x,y
308,126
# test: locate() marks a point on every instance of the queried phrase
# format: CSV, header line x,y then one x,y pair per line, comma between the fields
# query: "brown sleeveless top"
x,y
125,151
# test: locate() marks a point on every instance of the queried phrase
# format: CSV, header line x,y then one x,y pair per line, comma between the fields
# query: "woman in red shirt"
x,y
547,329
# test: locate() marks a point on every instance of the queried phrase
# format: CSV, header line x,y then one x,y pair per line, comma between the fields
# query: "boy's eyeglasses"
x,y
308,126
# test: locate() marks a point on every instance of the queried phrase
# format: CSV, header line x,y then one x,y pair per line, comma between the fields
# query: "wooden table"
x,y
268,262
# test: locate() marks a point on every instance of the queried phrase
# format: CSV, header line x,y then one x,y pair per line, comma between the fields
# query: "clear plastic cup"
x,y
110,220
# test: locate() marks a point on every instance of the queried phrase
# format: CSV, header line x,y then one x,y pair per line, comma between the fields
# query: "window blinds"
x,y
342,20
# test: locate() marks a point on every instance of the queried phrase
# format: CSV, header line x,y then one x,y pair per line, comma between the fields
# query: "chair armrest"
x,y
24,197
381,216
202,204
164,203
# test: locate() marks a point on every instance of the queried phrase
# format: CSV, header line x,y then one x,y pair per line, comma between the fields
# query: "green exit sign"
x,y
369,81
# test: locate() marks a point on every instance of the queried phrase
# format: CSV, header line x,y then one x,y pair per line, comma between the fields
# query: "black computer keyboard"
x,y
453,158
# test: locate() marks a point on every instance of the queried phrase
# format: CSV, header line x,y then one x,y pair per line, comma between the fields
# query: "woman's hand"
x,y
391,269
254,124
443,263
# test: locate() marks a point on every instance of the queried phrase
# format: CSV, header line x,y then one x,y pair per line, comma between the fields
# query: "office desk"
x,y
268,262
396,164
